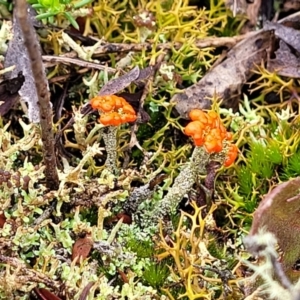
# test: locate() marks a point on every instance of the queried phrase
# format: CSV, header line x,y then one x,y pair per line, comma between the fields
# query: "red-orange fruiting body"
x,y
114,110
207,130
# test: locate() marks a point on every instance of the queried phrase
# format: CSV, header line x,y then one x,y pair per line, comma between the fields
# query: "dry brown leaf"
x,y
285,63
116,85
82,248
9,93
136,75
2,220
226,79
289,35
44,294
278,212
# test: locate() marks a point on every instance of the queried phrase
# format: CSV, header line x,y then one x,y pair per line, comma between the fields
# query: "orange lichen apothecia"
x,y
114,110
207,130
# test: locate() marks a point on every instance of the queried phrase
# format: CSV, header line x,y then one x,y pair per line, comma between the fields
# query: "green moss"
x,y
142,249
245,180
155,274
258,161
292,169
215,249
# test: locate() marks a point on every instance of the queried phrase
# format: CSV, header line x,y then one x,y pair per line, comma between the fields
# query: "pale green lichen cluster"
x,y
84,53
26,174
51,243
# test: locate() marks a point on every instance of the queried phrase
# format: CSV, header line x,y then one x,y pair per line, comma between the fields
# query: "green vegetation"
x,y
143,247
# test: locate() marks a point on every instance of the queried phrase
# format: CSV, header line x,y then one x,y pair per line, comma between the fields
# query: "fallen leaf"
x,y
2,220
82,248
44,294
17,55
286,63
9,93
84,294
144,75
226,79
279,212
134,100
289,35
123,276
292,20
118,84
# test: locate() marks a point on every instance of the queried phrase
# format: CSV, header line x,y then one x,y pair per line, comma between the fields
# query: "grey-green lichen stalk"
x,y
110,140
182,184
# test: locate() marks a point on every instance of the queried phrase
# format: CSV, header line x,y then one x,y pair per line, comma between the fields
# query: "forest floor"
x,y
166,166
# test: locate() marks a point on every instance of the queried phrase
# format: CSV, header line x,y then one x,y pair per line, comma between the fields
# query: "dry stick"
x,y
25,274
206,42
53,60
106,48
31,43
200,43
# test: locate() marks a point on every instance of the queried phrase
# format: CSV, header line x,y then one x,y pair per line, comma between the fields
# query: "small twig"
x,y
74,61
45,215
31,43
106,48
225,276
86,290
203,43
24,272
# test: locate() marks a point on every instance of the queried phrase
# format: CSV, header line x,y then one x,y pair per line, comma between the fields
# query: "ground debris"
x,y
226,79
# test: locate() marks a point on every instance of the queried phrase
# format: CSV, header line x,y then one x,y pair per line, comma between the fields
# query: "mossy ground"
x,y
201,258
